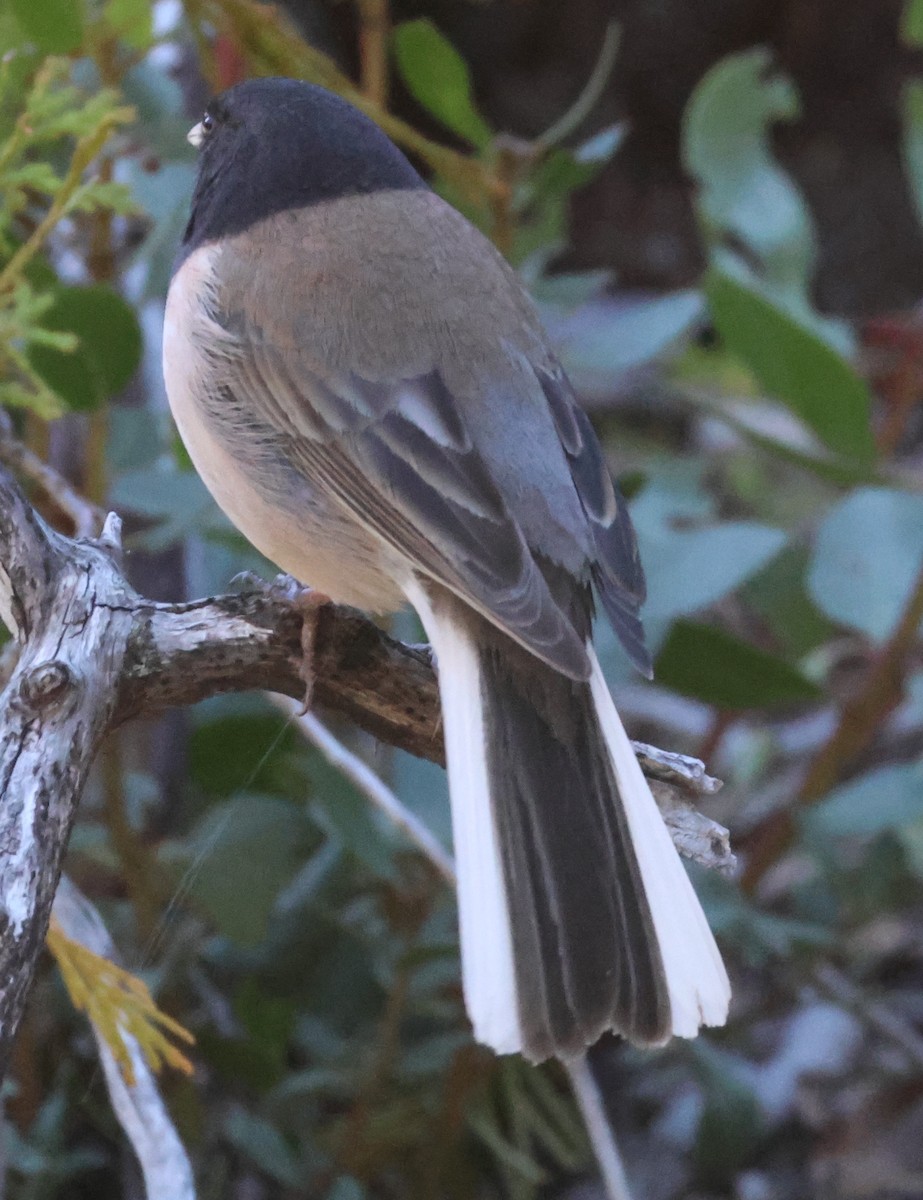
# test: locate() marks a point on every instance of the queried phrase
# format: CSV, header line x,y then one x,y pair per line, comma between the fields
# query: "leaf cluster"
x,y
49,177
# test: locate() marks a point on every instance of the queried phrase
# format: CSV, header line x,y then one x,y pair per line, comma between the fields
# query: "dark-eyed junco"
x,y
365,387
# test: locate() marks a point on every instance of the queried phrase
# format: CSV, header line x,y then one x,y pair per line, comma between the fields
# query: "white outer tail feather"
x,y
488,974
697,982
700,991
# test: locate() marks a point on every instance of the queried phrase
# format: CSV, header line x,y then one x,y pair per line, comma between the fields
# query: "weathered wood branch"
x,y
93,654
71,610
180,653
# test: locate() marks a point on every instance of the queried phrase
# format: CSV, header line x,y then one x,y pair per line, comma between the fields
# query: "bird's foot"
x,y
426,650
308,602
247,581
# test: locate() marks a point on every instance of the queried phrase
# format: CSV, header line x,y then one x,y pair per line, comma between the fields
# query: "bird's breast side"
x,y
277,509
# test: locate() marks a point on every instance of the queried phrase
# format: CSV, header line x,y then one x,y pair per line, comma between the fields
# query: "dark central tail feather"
x,y
585,948
576,915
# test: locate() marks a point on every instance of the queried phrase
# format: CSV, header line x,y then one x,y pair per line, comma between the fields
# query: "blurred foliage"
x,y
773,465
45,119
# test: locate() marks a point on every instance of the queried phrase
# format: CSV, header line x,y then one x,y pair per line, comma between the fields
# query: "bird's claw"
x,y
246,581
307,601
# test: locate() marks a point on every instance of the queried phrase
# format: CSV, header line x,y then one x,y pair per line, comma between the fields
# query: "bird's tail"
x,y
576,913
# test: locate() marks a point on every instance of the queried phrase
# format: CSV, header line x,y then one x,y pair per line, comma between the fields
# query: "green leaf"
x,y
887,798
712,665
240,856
743,191
177,500
792,362
132,21
96,196
437,76
263,1145
912,23
56,26
344,812
569,289
606,338
240,741
744,197
559,174
688,569
785,444
161,116
268,1021
40,176
731,1125
109,349
779,594
758,935
868,555
691,560
135,438
164,194
517,1162
540,201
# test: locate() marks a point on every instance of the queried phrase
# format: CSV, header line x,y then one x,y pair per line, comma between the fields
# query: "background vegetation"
x,y
753,366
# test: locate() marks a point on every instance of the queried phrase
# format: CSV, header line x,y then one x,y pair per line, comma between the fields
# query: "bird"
x,y
365,387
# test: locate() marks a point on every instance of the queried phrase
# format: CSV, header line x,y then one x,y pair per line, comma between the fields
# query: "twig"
x,y
374,30
139,1106
511,156
679,770
183,653
859,722
591,95
694,835
86,518
882,690
514,157
599,1128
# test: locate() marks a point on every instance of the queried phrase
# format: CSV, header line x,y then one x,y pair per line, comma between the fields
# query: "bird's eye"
x,y
208,123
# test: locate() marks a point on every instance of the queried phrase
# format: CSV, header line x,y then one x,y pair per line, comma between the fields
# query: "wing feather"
x,y
396,454
617,571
